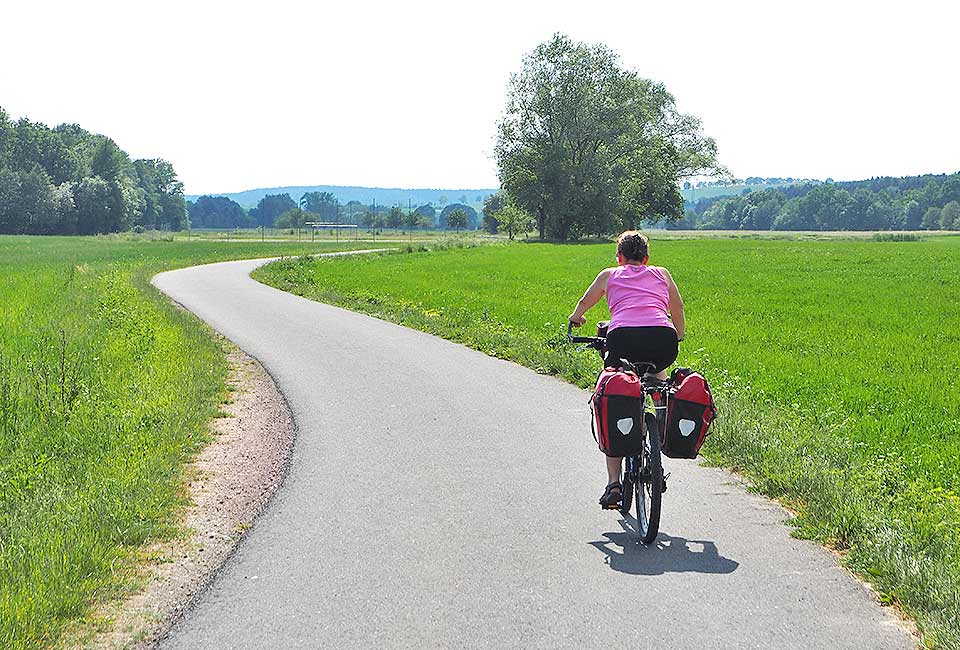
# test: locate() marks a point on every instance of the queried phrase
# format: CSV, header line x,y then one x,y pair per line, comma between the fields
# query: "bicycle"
x,y
643,476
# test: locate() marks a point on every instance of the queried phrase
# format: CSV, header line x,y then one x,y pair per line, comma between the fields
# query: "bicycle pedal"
x,y
665,477
612,506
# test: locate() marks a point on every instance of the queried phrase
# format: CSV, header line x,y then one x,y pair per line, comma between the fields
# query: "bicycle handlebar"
x,y
599,342
595,341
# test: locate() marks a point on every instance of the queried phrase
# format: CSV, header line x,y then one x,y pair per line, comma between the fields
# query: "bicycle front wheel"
x,y
629,479
649,483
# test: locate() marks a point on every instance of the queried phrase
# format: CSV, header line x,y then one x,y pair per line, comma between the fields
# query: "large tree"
x,y
513,220
270,207
471,214
491,205
126,200
589,147
457,219
320,203
11,220
218,212
164,206
950,216
428,213
394,218
931,219
92,198
293,218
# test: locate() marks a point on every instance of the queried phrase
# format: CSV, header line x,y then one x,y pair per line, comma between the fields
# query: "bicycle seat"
x,y
642,368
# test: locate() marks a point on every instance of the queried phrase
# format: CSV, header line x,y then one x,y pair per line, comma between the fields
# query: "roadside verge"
x,y
228,485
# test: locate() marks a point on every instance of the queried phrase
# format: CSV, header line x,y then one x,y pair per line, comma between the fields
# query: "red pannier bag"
x,y
617,405
690,410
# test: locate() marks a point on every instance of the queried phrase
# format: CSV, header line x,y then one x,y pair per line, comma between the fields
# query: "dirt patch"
x,y
229,483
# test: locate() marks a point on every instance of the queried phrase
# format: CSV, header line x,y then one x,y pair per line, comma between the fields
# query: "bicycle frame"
x,y
653,386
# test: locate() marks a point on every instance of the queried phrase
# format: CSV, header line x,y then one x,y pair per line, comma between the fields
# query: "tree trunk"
x,y
542,222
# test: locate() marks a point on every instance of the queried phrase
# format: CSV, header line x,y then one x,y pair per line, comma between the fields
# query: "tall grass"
x,y
105,392
896,236
835,365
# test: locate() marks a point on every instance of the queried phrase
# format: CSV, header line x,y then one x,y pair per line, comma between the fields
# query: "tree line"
x,y
66,181
586,147
929,202
281,211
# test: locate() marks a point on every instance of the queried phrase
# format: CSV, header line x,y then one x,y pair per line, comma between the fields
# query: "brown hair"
x,y
633,246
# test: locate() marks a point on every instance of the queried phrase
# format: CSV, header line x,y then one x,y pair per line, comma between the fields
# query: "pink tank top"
x,y
638,296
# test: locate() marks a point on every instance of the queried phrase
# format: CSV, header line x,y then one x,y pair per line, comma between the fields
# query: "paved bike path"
x,y
440,498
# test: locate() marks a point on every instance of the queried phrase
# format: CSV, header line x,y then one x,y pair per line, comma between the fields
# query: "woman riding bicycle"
x,y
646,321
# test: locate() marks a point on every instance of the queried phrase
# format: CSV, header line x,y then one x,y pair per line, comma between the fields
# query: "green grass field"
x,y
105,392
835,364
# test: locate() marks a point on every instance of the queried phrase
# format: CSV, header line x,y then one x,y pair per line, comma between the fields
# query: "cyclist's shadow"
x,y
667,554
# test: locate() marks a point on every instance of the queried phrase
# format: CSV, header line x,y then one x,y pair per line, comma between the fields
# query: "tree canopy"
x,y
411,220
294,218
394,218
270,207
457,219
67,180
471,214
218,212
589,147
428,214
492,205
512,220
323,204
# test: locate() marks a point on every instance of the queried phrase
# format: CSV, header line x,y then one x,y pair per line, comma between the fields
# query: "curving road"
x,y
440,498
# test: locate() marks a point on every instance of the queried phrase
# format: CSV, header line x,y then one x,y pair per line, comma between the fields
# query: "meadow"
x,y
834,364
106,391
325,235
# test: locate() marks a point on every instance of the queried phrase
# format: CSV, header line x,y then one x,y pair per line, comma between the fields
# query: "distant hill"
x,y
366,195
697,196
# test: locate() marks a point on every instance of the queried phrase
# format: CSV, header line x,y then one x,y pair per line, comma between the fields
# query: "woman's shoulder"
x,y
603,277
662,273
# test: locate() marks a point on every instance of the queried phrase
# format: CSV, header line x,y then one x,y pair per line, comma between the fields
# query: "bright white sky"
x,y
240,94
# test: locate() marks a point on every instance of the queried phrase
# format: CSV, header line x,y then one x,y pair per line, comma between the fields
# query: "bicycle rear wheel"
x,y
648,486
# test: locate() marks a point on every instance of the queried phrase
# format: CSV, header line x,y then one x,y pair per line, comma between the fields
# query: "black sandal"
x,y
611,496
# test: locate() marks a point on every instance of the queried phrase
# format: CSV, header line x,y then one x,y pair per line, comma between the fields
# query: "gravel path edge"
x,y
228,485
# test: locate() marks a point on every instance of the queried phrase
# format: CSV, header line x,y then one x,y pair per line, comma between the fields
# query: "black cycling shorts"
x,y
656,345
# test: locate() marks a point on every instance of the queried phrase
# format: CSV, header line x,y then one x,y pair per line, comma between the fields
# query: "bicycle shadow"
x,y
667,554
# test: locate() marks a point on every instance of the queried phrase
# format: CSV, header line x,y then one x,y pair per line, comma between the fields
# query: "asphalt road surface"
x,y
440,498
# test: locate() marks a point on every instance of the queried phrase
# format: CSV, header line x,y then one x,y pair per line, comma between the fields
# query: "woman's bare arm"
x,y
675,304
591,297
